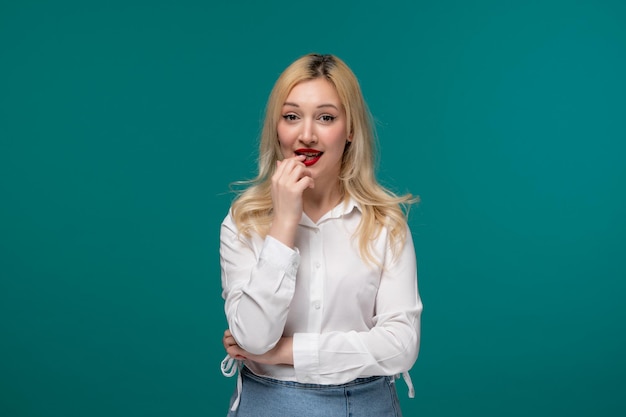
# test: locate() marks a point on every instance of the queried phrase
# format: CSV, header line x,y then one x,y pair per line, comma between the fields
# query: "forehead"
x,y
316,91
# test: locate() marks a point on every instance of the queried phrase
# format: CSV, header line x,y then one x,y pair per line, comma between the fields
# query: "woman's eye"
x,y
327,118
290,117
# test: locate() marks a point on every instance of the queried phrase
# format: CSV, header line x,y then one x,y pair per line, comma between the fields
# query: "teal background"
x,y
123,123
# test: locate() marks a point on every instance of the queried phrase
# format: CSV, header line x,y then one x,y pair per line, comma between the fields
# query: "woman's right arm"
x,y
259,276
258,283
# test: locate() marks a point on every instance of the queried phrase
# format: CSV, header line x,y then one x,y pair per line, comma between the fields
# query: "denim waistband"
x,y
246,373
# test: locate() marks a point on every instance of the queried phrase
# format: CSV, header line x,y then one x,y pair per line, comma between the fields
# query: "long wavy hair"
x,y
252,208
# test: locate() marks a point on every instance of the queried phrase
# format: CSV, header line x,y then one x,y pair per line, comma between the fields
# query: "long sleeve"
x,y
258,283
389,347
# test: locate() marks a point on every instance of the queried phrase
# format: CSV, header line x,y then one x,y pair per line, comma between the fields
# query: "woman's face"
x,y
313,123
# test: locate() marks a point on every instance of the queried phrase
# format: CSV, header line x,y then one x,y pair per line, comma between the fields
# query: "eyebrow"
x,y
321,106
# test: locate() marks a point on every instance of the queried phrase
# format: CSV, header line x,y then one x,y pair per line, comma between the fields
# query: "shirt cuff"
x,y
306,355
280,255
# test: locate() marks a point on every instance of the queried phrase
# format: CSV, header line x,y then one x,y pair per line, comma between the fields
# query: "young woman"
x,y
319,273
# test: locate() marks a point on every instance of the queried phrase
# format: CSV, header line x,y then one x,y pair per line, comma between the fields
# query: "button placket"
x,y
317,281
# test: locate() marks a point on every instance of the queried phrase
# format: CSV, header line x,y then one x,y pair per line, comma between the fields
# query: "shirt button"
x,y
317,264
317,305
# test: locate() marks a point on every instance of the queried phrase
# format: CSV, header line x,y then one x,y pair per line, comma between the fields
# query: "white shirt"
x,y
348,319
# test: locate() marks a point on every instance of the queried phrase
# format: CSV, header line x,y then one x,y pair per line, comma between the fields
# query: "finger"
x,y
302,175
298,158
236,352
229,340
287,165
306,182
296,173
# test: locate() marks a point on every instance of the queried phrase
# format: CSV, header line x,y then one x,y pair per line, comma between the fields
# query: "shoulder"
x,y
228,222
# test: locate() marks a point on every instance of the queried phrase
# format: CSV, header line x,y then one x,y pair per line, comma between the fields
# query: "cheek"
x,y
284,135
339,138
283,142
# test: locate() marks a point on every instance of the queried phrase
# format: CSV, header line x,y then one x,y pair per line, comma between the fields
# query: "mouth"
x,y
312,156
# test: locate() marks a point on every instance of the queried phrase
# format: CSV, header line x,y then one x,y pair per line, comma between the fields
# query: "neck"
x,y
316,202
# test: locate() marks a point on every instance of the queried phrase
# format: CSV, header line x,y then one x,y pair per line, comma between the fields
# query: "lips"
x,y
312,155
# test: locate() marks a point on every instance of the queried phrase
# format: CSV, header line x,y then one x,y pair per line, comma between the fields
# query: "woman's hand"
x,y
281,354
289,181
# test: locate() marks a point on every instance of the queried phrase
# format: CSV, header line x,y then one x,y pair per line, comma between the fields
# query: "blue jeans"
x,y
364,397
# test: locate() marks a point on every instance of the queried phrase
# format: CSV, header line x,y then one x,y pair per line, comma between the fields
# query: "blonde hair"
x,y
252,209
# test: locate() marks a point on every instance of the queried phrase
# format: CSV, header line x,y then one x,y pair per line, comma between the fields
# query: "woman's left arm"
x,y
390,347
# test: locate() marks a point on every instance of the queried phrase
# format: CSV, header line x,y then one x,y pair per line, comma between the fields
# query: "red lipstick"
x,y
312,155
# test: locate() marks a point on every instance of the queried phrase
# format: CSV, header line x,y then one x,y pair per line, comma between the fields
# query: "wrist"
x,y
286,355
284,232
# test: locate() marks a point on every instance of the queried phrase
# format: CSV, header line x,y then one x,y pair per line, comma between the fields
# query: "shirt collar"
x,y
342,209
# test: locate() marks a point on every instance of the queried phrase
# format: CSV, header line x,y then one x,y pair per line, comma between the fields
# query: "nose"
x,y
308,135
